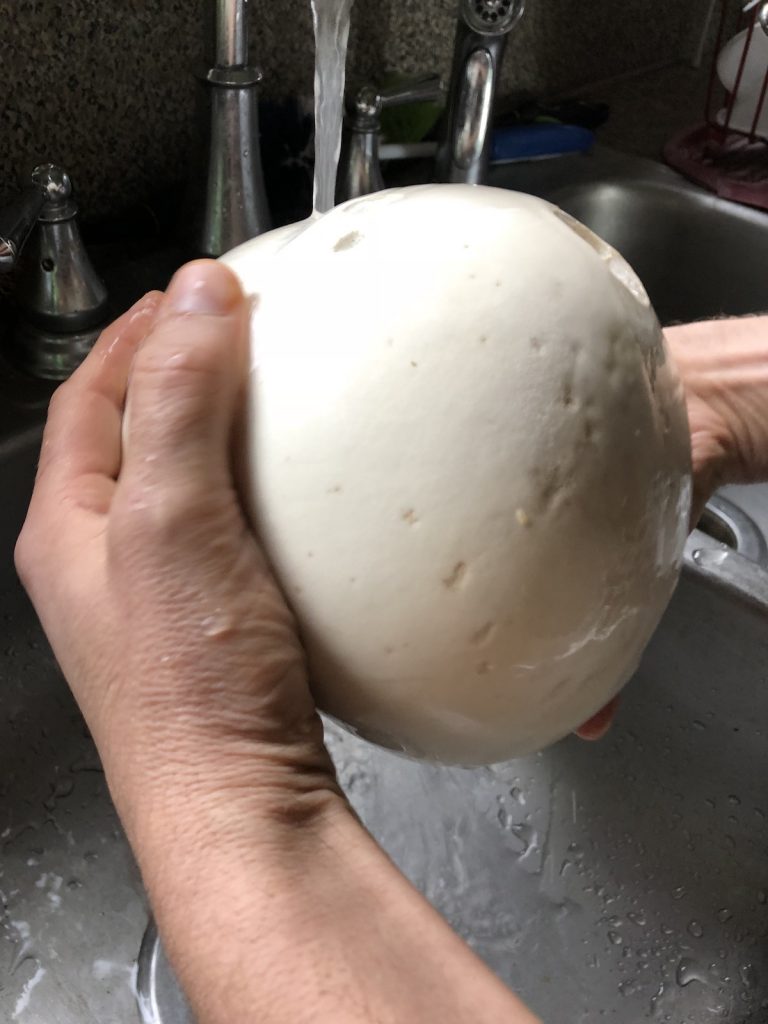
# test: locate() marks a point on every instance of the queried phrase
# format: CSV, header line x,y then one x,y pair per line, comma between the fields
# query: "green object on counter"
x,y
410,122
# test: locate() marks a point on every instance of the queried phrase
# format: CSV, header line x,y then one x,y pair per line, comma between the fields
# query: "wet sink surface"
x,y
71,904
622,881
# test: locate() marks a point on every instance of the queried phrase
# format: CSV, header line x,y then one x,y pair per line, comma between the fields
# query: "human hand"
x,y
185,662
724,369
153,592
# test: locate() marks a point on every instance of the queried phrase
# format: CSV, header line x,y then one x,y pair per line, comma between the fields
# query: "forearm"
x,y
311,924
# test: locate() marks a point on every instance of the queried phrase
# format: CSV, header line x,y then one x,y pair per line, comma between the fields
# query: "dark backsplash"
x,y
107,90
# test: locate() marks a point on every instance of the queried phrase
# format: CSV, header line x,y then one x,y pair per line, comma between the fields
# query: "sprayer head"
x,y
491,17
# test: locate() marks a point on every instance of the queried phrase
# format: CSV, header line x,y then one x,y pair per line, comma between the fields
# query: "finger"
x,y
598,725
185,383
80,456
82,435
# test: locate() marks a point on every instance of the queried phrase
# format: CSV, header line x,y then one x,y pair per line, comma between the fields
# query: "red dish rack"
x,y
730,160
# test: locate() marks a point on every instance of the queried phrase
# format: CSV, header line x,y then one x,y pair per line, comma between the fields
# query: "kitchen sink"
x,y
697,255
619,881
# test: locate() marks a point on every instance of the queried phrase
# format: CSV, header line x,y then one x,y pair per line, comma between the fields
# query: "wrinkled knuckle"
x,y
173,353
147,519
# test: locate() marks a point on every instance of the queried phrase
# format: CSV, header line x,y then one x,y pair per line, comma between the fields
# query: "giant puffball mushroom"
x,y
468,461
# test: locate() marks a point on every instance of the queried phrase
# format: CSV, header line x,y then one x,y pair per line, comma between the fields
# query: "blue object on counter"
x,y
535,141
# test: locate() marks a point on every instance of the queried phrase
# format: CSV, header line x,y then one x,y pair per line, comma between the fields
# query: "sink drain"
x,y
159,996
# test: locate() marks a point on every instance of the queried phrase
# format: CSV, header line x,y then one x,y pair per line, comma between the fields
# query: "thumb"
x,y
186,381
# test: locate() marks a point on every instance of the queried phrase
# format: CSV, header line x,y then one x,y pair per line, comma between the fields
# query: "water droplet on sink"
x,y
748,975
733,799
678,893
615,938
636,917
695,929
762,896
724,915
524,838
689,970
60,789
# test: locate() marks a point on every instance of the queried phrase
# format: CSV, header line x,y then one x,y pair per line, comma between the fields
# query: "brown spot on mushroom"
x,y
410,517
456,576
482,634
414,363
348,241
566,393
483,338
336,489
537,344
483,668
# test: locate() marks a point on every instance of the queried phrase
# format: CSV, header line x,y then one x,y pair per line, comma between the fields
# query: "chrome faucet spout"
x,y
481,37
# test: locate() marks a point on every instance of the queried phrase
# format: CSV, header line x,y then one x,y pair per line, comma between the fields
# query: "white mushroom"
x,y
468,462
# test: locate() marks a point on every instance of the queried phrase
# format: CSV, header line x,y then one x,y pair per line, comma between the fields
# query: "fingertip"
x,y
204,287
598,725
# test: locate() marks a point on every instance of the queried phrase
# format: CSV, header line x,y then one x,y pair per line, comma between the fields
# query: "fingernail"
x,y
203,287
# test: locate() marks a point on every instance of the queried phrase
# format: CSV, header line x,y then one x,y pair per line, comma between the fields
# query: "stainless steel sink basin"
x,y
698,256
622,881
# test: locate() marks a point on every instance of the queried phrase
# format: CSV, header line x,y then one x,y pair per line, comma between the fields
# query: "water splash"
x,y
26,993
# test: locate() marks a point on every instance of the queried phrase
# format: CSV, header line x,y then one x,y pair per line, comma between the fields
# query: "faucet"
x,y
359,169
227,198
481,37
62,304
463,155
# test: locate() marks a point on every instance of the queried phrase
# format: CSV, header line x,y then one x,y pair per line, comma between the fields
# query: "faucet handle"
x,y
359,170
368,102
49,194
17,220
424,89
